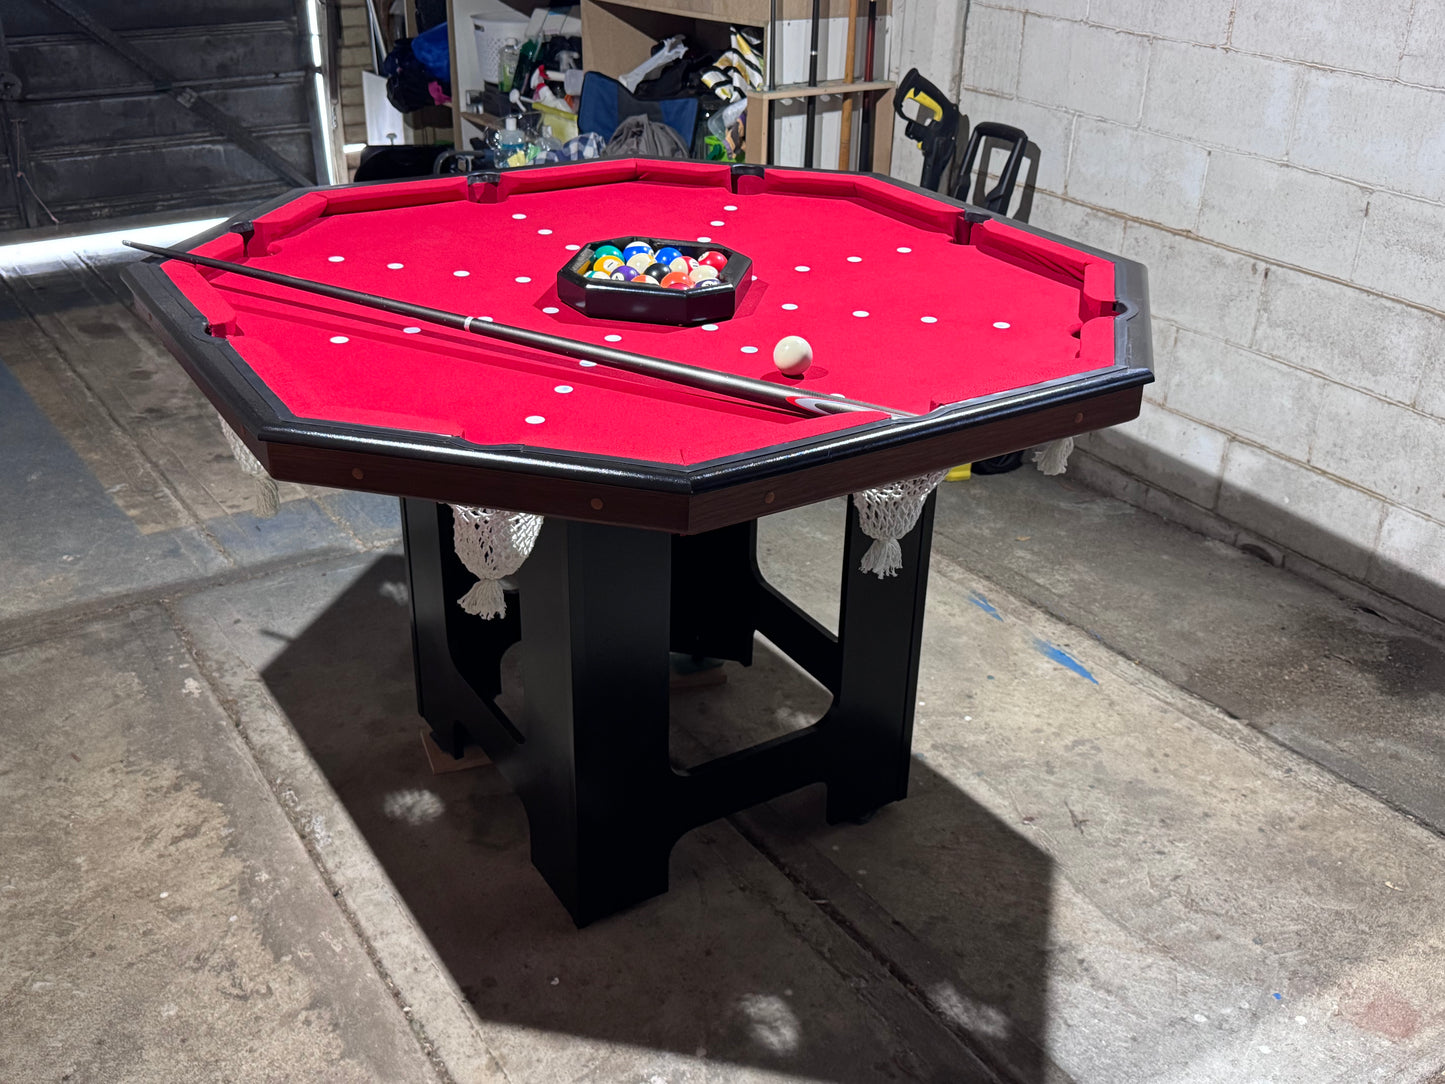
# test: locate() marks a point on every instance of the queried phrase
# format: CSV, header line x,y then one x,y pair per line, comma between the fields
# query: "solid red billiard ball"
x,y
714,259
792,355
676,280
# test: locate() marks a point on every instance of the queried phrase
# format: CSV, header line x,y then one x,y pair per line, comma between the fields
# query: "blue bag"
x,y
432,49
606,103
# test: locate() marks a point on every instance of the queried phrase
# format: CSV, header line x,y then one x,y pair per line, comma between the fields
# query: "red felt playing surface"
x,y
898,311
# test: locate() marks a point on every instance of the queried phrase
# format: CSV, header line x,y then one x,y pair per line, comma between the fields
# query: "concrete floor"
x,y
1175,816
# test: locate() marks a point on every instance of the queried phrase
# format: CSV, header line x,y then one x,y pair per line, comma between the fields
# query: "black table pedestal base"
x,y
597,610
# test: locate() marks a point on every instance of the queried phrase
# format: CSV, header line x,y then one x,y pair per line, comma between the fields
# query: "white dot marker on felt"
x,y
335,259
522,279
1002,325
535,419
613,338
562,389
802,267
545,233
588,364
339,339
717,222
411,330
860,313
904,249
574,248
395,266
789,306
730,207
704,240
855,259
709,327
461,274
519,216
750,349
551,310
928,319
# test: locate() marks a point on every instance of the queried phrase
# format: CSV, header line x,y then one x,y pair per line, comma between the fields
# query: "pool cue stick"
x,y
845,137
797,400
812,107
865,126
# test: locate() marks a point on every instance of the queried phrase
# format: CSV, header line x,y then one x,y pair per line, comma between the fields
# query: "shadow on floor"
x,y
734,959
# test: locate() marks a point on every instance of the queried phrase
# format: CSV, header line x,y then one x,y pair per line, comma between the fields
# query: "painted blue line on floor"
x,y
1063,658
985,605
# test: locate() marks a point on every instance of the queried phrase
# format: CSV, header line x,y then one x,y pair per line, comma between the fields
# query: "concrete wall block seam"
x,y
1000,41
1140,174
1116,481
1318,374
1400,249
1241,209
1313,468
1315,515
1193,235
1059,62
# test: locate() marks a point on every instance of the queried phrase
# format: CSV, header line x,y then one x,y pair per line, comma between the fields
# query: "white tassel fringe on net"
x,y
268,500
886,514
492,544
1053,457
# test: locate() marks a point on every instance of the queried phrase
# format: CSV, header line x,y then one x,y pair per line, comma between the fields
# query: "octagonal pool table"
x,y
973,335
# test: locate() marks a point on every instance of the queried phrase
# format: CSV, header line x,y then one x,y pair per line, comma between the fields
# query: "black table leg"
x,y
457,657
714,589
595,673
880,626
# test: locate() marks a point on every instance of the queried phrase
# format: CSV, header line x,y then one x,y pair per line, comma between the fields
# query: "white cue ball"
x,y
793,355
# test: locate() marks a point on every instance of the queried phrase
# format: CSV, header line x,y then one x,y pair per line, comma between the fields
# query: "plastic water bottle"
x,y
511,144
507,64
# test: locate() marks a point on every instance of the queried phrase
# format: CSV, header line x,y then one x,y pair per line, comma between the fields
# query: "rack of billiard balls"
x,y
667,268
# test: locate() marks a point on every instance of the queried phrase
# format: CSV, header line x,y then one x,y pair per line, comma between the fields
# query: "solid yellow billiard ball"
x,y
793,355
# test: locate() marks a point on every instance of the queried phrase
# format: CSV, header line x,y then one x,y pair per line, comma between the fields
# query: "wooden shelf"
x,y
761,102
617,35
485,120
742,12
802,90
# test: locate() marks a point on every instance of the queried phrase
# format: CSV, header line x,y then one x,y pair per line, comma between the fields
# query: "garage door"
x,y
123,107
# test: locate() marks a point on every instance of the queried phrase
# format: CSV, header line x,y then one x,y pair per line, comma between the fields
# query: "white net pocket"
x,y
886,514
268,500
492,544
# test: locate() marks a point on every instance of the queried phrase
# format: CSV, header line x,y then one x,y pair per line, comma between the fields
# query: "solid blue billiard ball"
x,y
634,249
665,256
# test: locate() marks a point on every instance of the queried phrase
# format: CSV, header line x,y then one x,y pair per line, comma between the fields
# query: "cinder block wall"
x,y
1280,167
